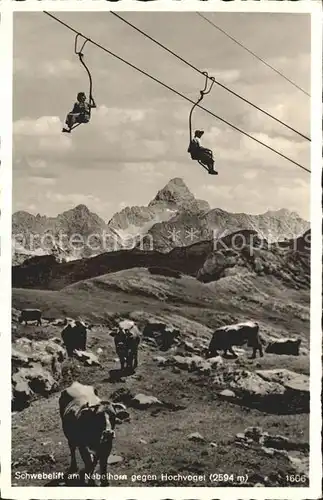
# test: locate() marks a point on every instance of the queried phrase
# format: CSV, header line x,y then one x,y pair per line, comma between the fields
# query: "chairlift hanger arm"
x,y
202,94
81,58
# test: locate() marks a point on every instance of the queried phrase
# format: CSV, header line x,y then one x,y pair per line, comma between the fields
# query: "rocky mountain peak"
x,y
80,209
175,193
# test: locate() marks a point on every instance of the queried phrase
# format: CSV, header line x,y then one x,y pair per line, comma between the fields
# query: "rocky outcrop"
x,y
87,358
295,452
244,252
196,363
280,391
142,401
36,370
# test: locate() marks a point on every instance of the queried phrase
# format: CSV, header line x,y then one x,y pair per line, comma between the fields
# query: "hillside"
x,y
190,269
237,253
189,399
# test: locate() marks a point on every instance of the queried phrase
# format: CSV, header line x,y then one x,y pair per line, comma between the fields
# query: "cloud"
x,y
43,126
38,137
295,196
66,201
250,174
225,76
54,68
42,181
118,116
138,136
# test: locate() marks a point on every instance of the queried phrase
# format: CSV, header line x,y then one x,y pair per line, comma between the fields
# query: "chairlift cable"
x,y
178,93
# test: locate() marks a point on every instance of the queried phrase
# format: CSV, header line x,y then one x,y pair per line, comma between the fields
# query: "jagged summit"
x,y
175,192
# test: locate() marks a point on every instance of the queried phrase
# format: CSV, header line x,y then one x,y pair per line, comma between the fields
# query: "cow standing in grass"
x,y
88,424
284,346
30,315
74,336
127,339
239,334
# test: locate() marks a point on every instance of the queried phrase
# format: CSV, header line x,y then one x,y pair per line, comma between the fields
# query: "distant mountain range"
x,y
173,219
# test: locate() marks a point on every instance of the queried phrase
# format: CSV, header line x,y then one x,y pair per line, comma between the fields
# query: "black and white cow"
x,y
88,424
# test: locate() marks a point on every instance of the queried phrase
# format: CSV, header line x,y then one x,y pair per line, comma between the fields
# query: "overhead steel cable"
x,y
215,81
253,53
175,91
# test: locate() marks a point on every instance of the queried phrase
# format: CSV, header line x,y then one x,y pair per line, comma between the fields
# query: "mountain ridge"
x,y
235,254
174,217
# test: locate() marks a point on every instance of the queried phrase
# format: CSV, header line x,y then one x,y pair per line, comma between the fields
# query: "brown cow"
x,y
284,346
88,424
30,315
238,334
74,336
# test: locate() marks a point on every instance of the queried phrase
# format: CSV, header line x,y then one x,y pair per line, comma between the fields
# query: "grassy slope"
x,y
279,310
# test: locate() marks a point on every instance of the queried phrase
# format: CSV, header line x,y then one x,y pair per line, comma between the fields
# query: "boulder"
x,y
29,381
246,384
296,385
197,437
160,360
278,443
181,362
226,393
279,390
41,351
88,358
142,401
114,459
36,369
193,363
203,366
19,358
216,362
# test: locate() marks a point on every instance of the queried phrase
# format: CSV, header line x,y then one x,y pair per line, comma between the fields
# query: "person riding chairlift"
x,y
200,153
80,113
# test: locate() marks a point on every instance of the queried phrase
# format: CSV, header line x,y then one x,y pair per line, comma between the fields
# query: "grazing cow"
x,y
239,334
30,315
74,336
284,346
127,339
88,424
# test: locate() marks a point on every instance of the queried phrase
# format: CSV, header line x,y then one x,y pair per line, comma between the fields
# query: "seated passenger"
x,y
203,155
80,113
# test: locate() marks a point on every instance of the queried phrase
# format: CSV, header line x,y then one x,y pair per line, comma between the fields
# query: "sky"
x,y
138,136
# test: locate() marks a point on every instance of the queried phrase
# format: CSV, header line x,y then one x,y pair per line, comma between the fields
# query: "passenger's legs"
x,y
207,159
